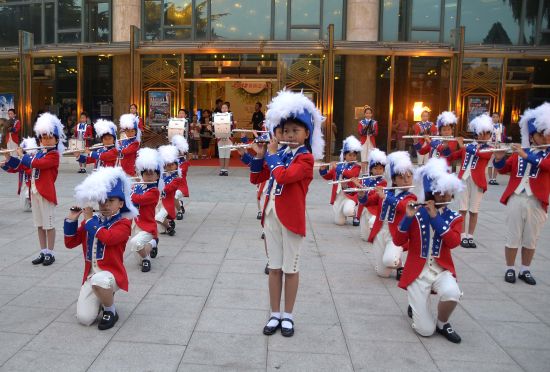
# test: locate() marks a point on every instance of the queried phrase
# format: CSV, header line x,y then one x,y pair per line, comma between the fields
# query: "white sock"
x,y
273,322
510,268
153,243
440,324
44,250
148,257
463,236
110,308
286,324
523,268
49,251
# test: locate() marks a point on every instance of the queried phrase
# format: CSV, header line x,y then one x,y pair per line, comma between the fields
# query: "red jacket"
x,y
447,227
371,182
104,157
421,129
342,171
436,149
111,237
128,155
539,175
145,198
293,174
168,195
45,166
14,131
184,168
368,129
391,209
25,175
87,133
478,163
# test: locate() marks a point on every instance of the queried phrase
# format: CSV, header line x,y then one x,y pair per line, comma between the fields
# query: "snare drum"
x,y
76,144
222,125
177,126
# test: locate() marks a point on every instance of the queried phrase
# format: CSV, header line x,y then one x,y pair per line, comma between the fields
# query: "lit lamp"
x,y
418,109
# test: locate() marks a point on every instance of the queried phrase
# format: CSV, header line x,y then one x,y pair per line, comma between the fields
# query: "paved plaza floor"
x,y
205,302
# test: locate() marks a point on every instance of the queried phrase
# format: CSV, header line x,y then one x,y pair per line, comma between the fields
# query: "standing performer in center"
x,y
129,146
367,130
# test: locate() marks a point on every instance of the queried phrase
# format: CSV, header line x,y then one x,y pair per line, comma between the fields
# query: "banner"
x,y
7,101
159,106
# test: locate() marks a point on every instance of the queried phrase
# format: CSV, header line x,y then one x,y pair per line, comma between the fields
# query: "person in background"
x,y
257,120
13,131
401,127
194,137
134,111
218,108
206,134
225,153
498,137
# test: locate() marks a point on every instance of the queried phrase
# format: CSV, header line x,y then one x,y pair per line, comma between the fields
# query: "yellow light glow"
x,y
418,108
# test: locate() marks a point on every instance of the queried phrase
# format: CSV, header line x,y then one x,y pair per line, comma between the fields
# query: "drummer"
x,y
225,153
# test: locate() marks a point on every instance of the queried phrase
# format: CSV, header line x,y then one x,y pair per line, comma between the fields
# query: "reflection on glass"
x,y
201,20
68,37
425,13
49,20
151,20
241,19
19,17
304,34
332,13
425,36
177,34
98,22
68,14
306,12
98,87
280,19
491,21
178,13
449,21
390,20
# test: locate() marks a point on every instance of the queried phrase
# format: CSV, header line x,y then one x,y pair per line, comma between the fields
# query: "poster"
x,y
477,105
159,107
7,101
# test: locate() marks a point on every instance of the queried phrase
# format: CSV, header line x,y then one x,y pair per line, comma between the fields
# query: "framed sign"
x,y
159,103
7,101
477,105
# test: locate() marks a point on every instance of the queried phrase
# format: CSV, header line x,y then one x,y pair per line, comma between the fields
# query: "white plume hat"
x,y
50,124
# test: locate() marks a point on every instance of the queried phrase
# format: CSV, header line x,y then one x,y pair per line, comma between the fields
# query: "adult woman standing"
x,y
206,134
134,111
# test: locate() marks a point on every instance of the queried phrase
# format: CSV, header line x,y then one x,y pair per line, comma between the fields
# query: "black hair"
x,y
259,103
300,123
157,171
12,110
84,113
219,100
133,104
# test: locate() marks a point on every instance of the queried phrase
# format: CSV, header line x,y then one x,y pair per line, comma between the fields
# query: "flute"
x,y
359,189
144,183
127,138
422,204
509,149
94,147
349,179
7,151
449,138
250,131
329,164
288,143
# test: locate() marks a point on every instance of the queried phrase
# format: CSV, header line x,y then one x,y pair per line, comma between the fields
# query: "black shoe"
x,y
268,331
38,260
154,251
510,276
108,320
171,231
182,208
527,277
287,332
172,224
226,173
471,243
179,216
259,216
410,312
491,182
145,266
355,221
221,173
48,259
495,183
263,236
398,274
266,270
464,243
448,332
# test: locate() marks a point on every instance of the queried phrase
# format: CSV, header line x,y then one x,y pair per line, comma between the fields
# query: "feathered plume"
x,y
168,154
524,126
446,118
147,159
50,124
27,143
128,121
480,124
398,162
376,156
288,104
181,143
350,144
447,183
101,185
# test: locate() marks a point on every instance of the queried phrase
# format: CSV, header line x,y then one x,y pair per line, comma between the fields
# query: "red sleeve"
x,y
17,126
416,128
76,131
455,155
401,238
353,172
75,240
507,165
452,237
51,160
401,207
89,134
109,156
299,169
147,198
375,125
257,178
545,164
425,148
172,186
329,175
372,198
184,168
433,130
131,148
484,155
140,124
360,128
118,233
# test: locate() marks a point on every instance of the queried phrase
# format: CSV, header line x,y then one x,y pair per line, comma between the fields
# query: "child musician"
x,y
367,215
367,130
526,195
44,165
107,155
498,137
289,171
129,143
391,208
145,196
84,133
29,147
343,203
472,173
183,189
103,237
431,230
170,182
440,148
423,128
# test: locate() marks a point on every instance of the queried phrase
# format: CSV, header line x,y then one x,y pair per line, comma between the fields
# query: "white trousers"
x,y
343,208
422,159
524,221
387,255
138,241
418,293
365,224
88,305
283,246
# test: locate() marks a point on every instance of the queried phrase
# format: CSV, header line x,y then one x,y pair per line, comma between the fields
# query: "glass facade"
x,y
242,19
56,21
492,22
